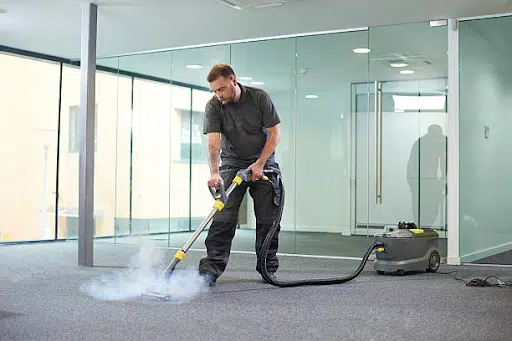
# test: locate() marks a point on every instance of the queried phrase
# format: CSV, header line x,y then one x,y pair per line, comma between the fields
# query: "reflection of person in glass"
x,y
426,168
243,130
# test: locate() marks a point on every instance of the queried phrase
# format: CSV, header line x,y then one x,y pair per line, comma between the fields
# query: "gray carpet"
x,y
500,258
41,300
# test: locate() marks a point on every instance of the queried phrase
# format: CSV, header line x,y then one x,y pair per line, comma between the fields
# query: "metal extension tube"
x,y
221,197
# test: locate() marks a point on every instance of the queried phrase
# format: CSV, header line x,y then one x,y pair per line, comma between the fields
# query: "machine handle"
x,y
245,175
219,193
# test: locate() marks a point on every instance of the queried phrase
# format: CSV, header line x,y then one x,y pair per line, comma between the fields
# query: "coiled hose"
x,y
323,281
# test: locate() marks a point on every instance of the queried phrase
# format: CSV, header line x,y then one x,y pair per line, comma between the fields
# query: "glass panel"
x,y
325,144
113,101
151,138
270,66
68,157
191,200
113,97
485,140
28,128
413,136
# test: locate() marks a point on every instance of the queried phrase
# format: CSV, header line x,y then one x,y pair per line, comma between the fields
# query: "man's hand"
x,y
257,171
214,181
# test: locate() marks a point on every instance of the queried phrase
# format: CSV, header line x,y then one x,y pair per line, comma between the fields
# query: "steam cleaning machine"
x,y
400,250
407,249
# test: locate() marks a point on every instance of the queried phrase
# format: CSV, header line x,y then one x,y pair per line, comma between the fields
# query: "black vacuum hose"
x,y
324,281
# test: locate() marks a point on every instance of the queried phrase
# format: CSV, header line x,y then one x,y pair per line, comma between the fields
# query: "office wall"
x,y
485,139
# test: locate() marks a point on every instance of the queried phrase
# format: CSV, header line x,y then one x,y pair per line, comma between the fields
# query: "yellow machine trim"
x,y
179,255
423,233
417,231
218,205
237,180
380,249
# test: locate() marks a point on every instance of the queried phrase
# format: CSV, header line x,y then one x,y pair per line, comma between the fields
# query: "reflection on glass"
x,y
426,176
28,128
413,155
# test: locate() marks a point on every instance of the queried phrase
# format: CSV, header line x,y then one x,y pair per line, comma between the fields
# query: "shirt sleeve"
x,y
212,122
269,111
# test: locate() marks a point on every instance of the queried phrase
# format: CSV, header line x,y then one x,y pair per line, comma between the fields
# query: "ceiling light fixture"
x,y
407,72
274,4
311,96
245,78
257,83
193,66
361,50
230,4
398,64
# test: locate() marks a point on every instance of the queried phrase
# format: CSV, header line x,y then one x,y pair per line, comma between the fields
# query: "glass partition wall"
x,y
349,167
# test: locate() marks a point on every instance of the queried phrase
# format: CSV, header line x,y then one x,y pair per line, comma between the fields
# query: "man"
x,y
242,130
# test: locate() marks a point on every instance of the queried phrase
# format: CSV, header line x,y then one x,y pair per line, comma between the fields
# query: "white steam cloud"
x,y
143,275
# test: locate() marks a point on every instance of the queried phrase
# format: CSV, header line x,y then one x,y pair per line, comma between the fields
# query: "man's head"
x,y
222,81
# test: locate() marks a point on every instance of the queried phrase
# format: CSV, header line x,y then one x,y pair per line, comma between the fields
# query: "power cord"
x,y
478,282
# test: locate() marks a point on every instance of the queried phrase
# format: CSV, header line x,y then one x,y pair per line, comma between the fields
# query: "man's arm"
x,y
274,136
213,141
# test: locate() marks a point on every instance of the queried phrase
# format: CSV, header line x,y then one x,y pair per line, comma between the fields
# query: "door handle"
x,y
378,141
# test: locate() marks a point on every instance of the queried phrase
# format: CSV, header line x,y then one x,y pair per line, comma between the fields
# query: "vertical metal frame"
x,y
453,253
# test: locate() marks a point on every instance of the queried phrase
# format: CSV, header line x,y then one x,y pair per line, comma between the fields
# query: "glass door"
x,y
400,129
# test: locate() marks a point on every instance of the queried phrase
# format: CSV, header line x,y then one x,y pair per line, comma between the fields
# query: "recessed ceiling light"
x,y
257,83
230,4
274,4
361,50
193,66
398,64
311,96
407,72
245,78
2,11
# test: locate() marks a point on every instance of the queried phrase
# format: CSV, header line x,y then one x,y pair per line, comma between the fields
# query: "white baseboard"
x,y
486,252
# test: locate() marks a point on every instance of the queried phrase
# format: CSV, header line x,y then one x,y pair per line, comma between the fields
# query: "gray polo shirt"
x,y
242,126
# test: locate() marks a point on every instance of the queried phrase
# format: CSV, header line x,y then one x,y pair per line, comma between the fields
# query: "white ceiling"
x,y
53,26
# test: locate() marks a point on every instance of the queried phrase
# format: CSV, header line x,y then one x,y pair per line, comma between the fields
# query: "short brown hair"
x,y
220,70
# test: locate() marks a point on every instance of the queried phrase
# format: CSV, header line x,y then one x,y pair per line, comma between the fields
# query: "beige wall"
x,y
29,115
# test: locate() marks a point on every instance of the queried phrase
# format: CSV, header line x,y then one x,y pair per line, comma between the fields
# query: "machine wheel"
x,y
434,261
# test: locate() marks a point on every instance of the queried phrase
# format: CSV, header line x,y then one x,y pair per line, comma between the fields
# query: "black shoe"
x,y
209,278
272,276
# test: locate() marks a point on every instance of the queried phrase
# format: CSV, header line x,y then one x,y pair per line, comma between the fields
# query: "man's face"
x,y
224,89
